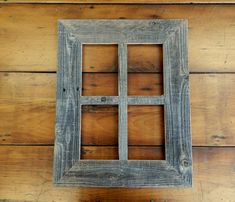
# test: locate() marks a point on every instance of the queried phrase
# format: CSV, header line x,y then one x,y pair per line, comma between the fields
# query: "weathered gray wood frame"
x,y
176,169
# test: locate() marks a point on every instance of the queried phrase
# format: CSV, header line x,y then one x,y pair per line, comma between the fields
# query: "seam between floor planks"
x,y
220,133
140,146
116,2
55,72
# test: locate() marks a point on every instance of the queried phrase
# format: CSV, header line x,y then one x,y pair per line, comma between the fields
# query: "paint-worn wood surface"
x,y
27,100
29,32
69,168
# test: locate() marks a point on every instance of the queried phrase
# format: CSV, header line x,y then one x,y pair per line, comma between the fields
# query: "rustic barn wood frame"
x,y
176,169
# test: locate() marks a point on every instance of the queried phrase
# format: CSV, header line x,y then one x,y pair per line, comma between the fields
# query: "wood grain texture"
x,y
68,108
151,58
138,85
26,175
123,103
29,32
177,116
27,105
92,61
30,99
145,125
134,152
176,170
123,1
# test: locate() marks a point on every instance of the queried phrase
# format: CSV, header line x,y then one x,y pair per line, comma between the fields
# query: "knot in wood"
x,y
185,163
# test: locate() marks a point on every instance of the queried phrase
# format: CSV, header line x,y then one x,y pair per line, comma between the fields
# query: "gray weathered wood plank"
x,y
146,100
68,114
122,109
123,173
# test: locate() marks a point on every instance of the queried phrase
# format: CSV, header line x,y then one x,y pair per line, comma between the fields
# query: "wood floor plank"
x,y
27,108
26,175
28,34
123,1
111,152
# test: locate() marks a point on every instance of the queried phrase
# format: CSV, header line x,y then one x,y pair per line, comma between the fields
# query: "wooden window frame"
x,y
176,169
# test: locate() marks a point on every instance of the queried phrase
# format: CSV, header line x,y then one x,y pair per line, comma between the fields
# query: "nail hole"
x,y
185,163
153,23
64,89
103,99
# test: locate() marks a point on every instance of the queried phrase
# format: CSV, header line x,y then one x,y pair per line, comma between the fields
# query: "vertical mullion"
x,y
79,94
122,122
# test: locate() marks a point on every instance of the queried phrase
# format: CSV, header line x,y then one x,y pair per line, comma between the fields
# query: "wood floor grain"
x,y
29,34
26,175
29,98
